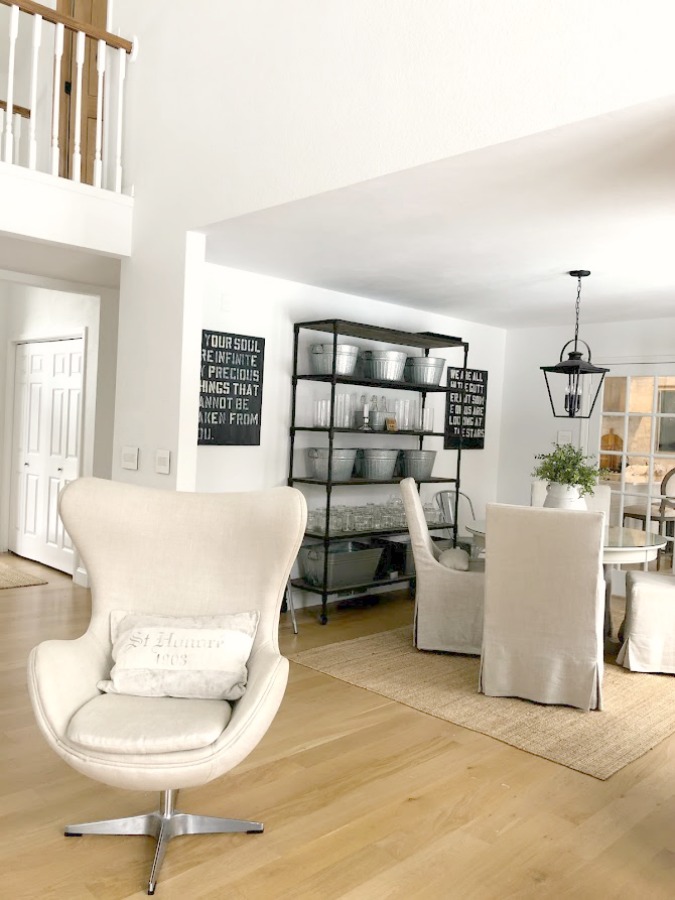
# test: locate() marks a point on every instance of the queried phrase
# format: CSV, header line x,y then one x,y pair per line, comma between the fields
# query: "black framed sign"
x,y
473,390
230,393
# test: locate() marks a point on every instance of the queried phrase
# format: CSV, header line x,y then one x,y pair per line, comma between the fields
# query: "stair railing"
x,y
26,61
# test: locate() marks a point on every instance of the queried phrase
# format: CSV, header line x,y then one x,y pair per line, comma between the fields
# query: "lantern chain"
x,y
576,312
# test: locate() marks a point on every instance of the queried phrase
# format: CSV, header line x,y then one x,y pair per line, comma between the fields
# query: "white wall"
x,y
528,426
244,303
272,102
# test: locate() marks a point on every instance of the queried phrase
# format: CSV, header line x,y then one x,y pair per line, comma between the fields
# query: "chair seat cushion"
x,y
116,723
656,513
455,558
180,656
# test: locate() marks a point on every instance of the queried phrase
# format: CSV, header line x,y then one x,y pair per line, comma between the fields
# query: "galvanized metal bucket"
x,y
423,369
418,464
343,463
384,365
321,359
378,464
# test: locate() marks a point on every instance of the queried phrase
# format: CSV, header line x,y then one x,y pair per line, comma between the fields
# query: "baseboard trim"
x,y
80,577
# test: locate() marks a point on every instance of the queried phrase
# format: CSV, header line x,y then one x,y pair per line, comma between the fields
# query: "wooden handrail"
x,y
21,110
50,15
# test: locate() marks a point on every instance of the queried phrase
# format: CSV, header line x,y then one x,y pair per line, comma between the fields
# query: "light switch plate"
x,y
162,462
130,457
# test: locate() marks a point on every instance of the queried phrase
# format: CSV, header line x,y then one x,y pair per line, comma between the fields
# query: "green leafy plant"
x,y
566,464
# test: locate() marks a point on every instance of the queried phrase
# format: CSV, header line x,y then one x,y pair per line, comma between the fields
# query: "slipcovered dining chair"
x,y
648,632
544,606
179,673
449,587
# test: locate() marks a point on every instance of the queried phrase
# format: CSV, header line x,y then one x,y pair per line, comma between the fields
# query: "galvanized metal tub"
x,y
343,463
378,464
349,562
383,365
423,369
321,359
418,463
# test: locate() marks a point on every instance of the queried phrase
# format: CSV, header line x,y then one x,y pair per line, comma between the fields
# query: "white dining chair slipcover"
x,y
448,602
649,629
544,606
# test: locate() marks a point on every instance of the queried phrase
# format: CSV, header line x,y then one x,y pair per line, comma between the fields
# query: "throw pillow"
x,y
455,558
202,657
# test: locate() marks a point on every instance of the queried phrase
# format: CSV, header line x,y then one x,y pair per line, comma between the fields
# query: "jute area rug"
x,y
13,578
638,713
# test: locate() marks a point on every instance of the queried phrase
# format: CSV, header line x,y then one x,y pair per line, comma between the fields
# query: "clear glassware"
x,y
340,410
336,521
321,413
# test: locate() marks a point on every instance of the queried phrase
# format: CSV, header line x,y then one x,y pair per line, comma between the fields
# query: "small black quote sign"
x,y
465,409
230,393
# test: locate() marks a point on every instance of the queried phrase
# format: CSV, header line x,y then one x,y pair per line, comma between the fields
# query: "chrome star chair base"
x,y
164,824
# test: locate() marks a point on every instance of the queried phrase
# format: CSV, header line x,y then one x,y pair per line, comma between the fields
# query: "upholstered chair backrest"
x,y
420,539
175,553
544,605
668,489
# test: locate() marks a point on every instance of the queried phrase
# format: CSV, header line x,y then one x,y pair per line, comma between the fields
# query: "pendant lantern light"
x,y
580,376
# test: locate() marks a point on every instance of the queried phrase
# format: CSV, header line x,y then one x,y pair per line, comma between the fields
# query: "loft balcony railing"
x,y
61,94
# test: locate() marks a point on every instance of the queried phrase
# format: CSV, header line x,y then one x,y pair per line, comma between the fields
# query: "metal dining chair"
x,y
446,500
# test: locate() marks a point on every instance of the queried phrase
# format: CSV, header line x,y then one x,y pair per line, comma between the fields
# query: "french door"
x,y
637,435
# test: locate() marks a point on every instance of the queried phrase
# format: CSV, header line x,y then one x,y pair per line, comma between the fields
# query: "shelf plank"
x,y
422,339
358,381
303,585
380,532
401,433
363,481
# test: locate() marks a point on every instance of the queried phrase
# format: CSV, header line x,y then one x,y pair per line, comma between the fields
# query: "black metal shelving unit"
x,y
423,341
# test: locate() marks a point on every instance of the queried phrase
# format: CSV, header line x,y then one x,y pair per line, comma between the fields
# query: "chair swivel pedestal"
x,y
164,824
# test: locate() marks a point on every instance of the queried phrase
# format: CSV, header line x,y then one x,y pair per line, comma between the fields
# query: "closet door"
x,y
46,447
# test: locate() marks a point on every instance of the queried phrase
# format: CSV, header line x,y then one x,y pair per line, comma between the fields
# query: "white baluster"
x,y
13,34
100,68
122,57
58,55
37,40
17,138
76,174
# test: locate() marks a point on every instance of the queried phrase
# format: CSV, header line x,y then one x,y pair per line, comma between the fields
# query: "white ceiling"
x,y
489,235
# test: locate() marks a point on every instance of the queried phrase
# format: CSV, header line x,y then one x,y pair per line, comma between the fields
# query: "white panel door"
x,y
46,447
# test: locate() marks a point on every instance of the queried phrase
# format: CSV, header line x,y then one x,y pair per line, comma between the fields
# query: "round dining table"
x,y
620,546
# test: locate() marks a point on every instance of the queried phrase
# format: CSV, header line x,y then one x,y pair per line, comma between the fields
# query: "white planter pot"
x,y
563,496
